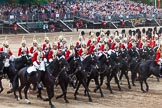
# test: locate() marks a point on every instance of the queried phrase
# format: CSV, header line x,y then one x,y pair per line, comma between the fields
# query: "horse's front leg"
x,y
147,87
141,83
1,85
126,75
26,95
50,95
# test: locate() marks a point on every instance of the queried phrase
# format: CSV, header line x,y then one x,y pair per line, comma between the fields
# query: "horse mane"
x,y
86,59
100,58
70,58
5,55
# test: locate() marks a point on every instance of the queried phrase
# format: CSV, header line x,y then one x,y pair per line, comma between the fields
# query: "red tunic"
x,y
23,51
91,49
158,55
32,50
140,44
67,54
152,43
38,58
80,51
122,46
77,44
113,46
52,54
98,39
129,45
109,41
9,51
88,43
102,47
46,47
58,45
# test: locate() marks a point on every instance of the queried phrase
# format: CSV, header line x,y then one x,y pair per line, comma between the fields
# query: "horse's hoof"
x,y
8,92
66,101
129,87
18,98
147,90
27,101
39,97
46,99
134,85
75,98
102,95
143,91
112,92
77,93
52,106
90,100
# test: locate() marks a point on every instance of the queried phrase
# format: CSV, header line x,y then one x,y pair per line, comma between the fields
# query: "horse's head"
x,y
95,61
63,63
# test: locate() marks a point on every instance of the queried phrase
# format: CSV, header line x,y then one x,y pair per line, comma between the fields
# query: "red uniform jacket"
x,y
58,45
98,39
102,47
21,52
67,54
80,51
88,43
37,58
122,46
140,44
52,54
148,42
77,44
113,46
109,41
91,49
45,47
152,43
32,50
129,45
9,52
157,55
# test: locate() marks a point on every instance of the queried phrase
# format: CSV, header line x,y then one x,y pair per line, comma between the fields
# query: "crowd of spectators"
x,y
100,10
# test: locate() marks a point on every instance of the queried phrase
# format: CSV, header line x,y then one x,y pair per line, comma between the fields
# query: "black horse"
x,y
95,70
115,68
48,78
104,59
15,66
147,68
123,59
63,80
3,58
78,70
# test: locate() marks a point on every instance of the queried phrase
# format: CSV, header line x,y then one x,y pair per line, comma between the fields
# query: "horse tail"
x,y
15,82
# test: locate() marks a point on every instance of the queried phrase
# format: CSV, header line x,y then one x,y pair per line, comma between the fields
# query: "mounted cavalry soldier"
x,y
158,58
53,52
38,60
23,51
33,48
7,50
46,46
69,51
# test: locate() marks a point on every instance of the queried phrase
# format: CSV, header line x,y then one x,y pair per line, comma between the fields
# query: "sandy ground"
x,y
133,98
